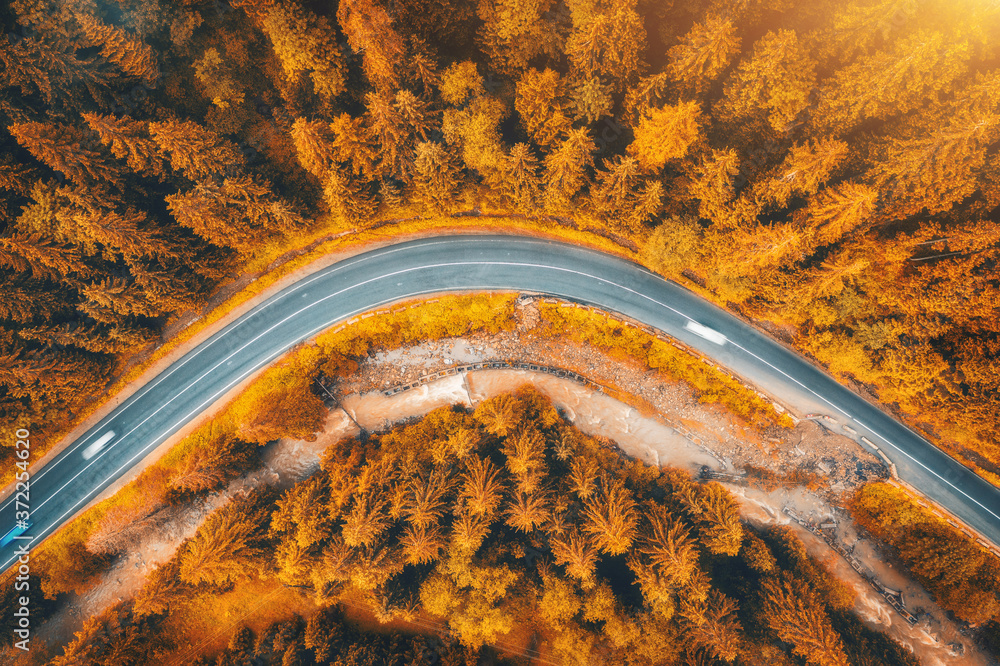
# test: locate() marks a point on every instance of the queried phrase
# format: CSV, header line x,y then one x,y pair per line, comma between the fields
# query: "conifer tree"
x,y
578,552
305,43
803,171
195,151
500,415
774,81
367,520
370,32
565,172
720,633
583,477
520,177
710,183
353,146
437,175
427,499
934,170
798,618
129,140
607,40
314,146
892,81
43,258
839,210
714,508
469,530
704,53
665,134
481,486
541,104
226,547
527,510
65,149
514,32
421,544
611,517
125,50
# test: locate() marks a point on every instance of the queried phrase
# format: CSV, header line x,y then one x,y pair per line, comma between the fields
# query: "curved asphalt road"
x,y
409,269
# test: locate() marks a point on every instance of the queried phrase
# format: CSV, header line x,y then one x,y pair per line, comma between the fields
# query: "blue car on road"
x,y
14,532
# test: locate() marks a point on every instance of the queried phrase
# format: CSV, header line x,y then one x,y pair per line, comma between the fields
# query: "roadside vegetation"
x,y
828,167
509,527
963,576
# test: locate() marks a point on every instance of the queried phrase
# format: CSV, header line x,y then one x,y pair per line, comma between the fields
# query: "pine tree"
x,y
370,32
500,415
857,26
720,634
302,512
803,171
421,544
427,499
710,183
65,149
668,545
775,81
119,297
367,520
936,169
527,510
591,99
578,552
719,517
839,210
891,82
416,113
469,530
520,177
514,32
202,210
607,41
43,258
611,517
306,43
194,150
566,167
622,197
129,140
703,54
436,177
346,199
665,134
226,547
798,618
482,486
48,64
218,80
353,145
540,102
120,47
583,477
388,128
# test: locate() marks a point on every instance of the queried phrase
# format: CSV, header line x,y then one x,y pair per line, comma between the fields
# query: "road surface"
x,y
422,267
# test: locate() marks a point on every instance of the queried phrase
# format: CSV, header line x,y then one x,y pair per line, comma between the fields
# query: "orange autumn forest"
x,y
829,171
